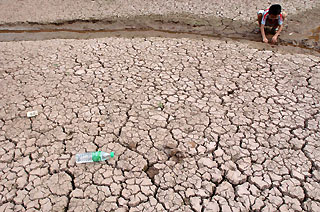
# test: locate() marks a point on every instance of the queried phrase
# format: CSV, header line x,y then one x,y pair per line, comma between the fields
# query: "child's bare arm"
x,y
263,34
275,37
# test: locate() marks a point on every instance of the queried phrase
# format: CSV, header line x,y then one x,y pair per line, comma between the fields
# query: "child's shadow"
x,y
256,35
267,31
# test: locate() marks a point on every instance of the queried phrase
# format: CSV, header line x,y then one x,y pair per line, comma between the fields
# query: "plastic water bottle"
x,y
93,157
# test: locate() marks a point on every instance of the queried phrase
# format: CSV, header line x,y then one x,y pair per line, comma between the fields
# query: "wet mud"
x,y
315,34
299,31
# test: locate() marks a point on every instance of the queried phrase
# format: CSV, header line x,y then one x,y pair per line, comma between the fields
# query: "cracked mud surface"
x,y
58,10
196,125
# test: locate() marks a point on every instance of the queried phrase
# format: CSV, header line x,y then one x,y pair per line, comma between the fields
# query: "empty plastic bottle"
x,y
93,157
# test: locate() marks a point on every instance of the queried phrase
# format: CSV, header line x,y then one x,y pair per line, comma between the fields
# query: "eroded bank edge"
x,y
174,25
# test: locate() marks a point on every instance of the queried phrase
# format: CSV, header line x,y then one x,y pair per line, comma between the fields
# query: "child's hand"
x,y
265,40
274,39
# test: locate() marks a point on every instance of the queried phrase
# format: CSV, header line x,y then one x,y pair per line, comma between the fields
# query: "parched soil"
x,y
202,116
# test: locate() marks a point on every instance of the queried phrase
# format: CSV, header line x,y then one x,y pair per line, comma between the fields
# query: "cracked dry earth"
x,y
196,125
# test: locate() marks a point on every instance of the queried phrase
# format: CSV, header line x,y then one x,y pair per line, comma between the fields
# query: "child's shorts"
x,y
268,22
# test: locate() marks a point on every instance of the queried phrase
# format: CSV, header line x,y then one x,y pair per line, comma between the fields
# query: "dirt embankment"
x,y
301,30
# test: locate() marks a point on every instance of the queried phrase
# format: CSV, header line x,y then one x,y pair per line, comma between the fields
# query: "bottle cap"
x,y
111,154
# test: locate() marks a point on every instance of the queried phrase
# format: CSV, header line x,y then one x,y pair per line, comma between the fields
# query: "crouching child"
x,y
272,17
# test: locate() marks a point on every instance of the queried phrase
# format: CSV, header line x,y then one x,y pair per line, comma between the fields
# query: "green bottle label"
x,y
96,156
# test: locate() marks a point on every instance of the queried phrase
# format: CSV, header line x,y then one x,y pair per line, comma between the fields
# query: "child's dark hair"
x,y
275,9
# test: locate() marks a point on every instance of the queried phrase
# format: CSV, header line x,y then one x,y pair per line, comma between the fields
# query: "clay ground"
x,y
197,123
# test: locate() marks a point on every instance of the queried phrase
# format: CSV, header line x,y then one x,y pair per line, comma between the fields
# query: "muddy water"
x,y
138,26
46,34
